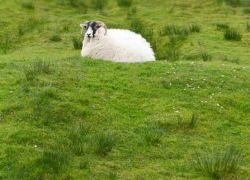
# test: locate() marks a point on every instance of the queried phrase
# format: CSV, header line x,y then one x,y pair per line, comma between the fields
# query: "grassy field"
x,y
185,116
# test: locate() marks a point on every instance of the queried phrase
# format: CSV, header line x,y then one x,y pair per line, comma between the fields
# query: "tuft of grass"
x,y
99,4
172,54
218,164
152,135
235,60
38,67
55,38
248,26
28,25
124,3
232,34
233,3
77,43
78,140
104,143
171,30
28,5
205,56
54,161
193,120
246,10
131,12
222,26
84,164
6,43
194,28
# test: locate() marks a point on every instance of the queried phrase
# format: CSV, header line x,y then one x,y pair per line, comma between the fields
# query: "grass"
x,y
28,5
248,26
219,165
104,143
55,38
77,43
99,4
124,3
232,35
67,117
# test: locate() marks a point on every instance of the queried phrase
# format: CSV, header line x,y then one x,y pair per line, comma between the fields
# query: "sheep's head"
x,y
94,28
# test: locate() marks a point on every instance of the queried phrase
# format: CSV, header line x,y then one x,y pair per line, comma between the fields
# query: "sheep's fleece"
x,y
115,44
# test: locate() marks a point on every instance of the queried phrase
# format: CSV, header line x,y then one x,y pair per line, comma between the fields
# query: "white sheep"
x,y
114,44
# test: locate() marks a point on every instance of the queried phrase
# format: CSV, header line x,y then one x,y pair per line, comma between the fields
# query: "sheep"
x,y
118,45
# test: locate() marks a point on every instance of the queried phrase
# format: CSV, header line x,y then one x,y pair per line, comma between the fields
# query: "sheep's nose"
x,y
89,35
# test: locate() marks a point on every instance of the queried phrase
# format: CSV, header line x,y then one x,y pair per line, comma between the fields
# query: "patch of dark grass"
x,y
152,136
131,12
99,4
205,56
246,10
222,26
124,3
29,25
232,35
76,4
6,43
54,161
28,5
84,164
233,3
218,164
104,143
77,137
38,67
172,54
194,28
193,120
55,38
248,26
231,59
77,43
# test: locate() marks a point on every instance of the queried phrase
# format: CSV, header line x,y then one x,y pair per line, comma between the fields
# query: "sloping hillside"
x,y
185,116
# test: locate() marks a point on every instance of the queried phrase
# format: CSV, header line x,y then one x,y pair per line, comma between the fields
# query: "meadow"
x,y
185,116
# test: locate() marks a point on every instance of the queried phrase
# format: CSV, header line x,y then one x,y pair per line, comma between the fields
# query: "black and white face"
x,y
91,28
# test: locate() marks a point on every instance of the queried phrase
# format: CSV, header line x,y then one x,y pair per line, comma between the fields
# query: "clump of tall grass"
x,y
54,161
152,135
235,60
124,3
99,4
193,120
246,10
104,143
205,56
233,3
28,5
55,38
131,12
77,137
77,43
248,26
77,4
172,53
38,67
232,34
218,164
28,25
6,42
222,26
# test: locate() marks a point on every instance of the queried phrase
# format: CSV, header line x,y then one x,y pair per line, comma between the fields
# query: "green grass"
x,y
219,165
67,117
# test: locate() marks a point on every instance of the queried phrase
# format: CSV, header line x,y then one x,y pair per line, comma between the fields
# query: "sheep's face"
x,y
93,29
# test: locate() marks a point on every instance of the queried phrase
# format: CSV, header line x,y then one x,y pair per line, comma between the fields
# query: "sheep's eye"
x,y
98,26
85,26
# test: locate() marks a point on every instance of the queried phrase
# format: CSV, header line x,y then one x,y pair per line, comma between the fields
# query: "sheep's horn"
x,y
103,25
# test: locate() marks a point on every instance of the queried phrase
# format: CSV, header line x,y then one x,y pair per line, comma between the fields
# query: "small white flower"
x,y
35,146
218,104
